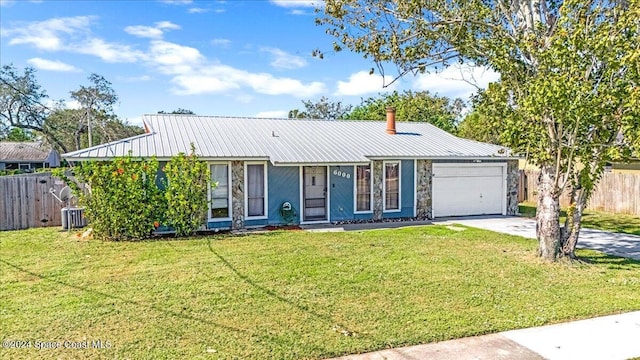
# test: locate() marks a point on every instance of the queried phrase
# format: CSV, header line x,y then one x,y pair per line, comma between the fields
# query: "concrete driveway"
x,y
611,243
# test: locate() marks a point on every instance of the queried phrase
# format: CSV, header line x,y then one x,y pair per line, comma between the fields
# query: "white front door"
x,y
468,189
314,193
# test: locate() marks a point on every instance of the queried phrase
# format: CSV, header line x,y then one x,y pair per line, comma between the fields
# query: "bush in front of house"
x,y
186,193
123,201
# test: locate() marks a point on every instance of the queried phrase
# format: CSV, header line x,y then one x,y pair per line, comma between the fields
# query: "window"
x,y
24,166
392,186
220,195
363,188
255,190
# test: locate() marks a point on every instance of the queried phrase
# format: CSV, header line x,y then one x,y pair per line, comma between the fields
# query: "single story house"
x,y
292,171
27,156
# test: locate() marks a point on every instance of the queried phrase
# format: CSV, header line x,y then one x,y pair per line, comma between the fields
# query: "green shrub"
x,y
186,193
123,201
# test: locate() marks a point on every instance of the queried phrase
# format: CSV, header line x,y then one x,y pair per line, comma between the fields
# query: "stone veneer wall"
x,y
237,194
424,171
377,189
513,174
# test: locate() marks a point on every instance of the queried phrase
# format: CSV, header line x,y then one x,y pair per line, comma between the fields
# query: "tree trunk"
x,y
573,223
548,215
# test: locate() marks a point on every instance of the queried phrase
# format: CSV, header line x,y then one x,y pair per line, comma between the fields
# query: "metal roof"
x,y
290,141
23,151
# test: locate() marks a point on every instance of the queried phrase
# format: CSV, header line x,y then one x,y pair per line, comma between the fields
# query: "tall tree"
x,y
324,109
412,106
178,111
65,124
569,88
97,102
18,135
22,104
481,123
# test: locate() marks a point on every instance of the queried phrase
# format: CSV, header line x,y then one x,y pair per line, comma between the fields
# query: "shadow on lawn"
x,y
337,326
614,262
267,339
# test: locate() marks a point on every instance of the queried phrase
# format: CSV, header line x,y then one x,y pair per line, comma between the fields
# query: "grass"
x,y
622,223
291,294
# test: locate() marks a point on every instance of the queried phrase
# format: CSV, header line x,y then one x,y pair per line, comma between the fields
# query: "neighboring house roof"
x,y
289,141
24,152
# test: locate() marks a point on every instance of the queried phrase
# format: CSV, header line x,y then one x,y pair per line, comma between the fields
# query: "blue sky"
x,y
231,58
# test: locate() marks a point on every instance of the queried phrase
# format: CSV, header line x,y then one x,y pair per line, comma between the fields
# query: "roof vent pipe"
x,y
391,120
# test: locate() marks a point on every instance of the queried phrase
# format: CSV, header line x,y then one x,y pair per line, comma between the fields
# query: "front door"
x,y
315,193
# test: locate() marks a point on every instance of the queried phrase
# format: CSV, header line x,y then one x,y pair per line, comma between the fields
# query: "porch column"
x,y
513,176
377,189
237,194
424,171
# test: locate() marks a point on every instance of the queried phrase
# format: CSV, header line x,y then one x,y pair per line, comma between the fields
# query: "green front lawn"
x,y
622,223
290,295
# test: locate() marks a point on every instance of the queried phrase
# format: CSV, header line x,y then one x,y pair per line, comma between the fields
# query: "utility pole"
x,y
89,126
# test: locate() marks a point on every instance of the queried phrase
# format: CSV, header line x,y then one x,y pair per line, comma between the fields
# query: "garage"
x,y
461,189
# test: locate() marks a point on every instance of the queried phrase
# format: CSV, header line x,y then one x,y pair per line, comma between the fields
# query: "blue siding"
x,y
219,225
161,176
283,185
406,191
364,216
254,223
341,180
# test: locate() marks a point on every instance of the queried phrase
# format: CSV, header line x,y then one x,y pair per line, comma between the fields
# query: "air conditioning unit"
x,y
73,217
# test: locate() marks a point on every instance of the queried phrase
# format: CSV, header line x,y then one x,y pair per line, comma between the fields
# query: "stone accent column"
x,y
424,171
377,189
237,194
513,176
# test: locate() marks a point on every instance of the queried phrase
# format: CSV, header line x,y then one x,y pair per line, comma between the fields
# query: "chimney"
x,y
391,120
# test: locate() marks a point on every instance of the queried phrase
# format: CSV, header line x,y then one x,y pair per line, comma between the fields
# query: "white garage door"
x,y
468,189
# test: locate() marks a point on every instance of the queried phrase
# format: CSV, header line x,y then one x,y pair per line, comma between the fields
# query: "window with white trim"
x,y
255,188
220,207
392,186
363,188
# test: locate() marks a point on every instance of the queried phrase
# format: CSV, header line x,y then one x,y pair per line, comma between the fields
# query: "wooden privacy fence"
x,y
615,193
25,201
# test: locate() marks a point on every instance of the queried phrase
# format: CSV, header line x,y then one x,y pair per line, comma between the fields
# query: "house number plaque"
x,y
342,174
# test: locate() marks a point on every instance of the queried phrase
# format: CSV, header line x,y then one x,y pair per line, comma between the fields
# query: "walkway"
x,y
612,337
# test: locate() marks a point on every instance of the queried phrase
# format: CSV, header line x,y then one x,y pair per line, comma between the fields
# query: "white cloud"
x,y
172,58
273,114
216,78
47,35
7,3
144,31
153,32
221,42
270,85
190,71
283,60
199,84
177,2
51,65
456,81
362,83
109,52
70,34
72,104
167,25
197,10
297,3
137,120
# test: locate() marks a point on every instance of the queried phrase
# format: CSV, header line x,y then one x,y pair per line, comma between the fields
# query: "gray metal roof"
x,y
23,151
289,141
